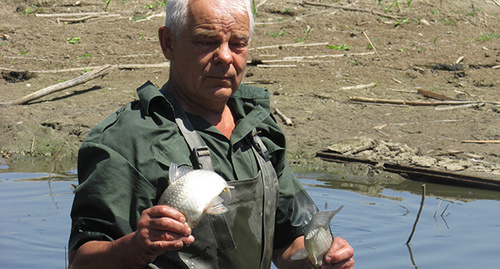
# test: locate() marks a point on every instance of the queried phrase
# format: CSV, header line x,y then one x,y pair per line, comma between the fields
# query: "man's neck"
x,y
219,115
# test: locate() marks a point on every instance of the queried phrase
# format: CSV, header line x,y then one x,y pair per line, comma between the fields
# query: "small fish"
x,y
317,238
195,192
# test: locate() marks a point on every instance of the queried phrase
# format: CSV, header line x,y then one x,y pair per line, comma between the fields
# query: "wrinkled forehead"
x,y
228,13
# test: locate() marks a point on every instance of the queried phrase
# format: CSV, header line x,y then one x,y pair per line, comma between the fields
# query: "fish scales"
x,y
194,193
317,238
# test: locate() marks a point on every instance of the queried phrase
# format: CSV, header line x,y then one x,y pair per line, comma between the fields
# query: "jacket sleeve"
x,y
110,197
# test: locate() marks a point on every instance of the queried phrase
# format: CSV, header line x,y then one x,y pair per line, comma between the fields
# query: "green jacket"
x,y
123,164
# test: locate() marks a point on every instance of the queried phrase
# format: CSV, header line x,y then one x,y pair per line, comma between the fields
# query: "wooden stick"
x,y
433,95
406,102
358,87
276,65
459,106
482,141
352,9
418,215
99,72
72,14
373,46
75,20
496,2
119,66
290,45
496,67
459,59
286,119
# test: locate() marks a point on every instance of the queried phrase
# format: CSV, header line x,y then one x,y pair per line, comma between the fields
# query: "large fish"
x,y
317,238
195,192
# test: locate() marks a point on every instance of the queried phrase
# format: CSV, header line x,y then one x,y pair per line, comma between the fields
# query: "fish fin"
x,y
300,254
215,207
226,194
175,172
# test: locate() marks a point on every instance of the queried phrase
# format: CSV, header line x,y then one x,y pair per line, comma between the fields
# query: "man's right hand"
x,y
161,228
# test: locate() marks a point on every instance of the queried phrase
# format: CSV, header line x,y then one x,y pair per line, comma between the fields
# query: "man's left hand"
x,y
340,255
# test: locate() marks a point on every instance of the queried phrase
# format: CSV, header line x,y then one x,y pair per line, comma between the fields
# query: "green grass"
x,y
341,47
74,40
487,36
282,33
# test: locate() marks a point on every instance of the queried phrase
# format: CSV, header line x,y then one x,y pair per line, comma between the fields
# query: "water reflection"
x,y
377,219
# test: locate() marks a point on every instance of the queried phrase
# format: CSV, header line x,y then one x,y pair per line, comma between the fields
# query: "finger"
x,y
339,252
171,225
172,245
160,211
156,235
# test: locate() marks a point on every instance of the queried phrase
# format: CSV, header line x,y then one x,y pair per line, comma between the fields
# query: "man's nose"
x,y
223,54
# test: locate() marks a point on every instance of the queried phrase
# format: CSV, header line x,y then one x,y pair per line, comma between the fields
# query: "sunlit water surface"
x,y
458,227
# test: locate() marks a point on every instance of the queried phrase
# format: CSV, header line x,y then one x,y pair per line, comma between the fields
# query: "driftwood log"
x,y
98,72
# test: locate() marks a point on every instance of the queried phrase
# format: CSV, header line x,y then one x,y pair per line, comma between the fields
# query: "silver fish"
x,y
195,192
318,238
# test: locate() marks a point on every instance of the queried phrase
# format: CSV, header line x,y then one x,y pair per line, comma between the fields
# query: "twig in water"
x,y
418,215
445,209
437,208
373,46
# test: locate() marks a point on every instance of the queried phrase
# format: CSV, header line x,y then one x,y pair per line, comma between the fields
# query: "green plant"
x,y
74,40
395,3
401,22
84,56
107,2
487,36
161,3
448,21
150,6
339,47
282,33
22,53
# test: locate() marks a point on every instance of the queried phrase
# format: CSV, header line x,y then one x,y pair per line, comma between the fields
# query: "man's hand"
x,y
161,228
340,255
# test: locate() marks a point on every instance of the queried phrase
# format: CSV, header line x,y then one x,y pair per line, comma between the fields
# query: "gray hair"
x,y
177,13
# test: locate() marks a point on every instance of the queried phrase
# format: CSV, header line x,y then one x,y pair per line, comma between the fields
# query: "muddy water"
x,y
458,227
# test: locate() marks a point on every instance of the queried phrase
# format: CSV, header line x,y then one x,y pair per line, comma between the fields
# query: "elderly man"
x,y
201,118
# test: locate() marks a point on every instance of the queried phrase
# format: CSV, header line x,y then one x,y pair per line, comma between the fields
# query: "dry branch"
x,y
407,102
482,141
290,45
352,9
119,66
358,87
459,106
99,72
433,95
76,20
418,215
373,46
73,14
286,119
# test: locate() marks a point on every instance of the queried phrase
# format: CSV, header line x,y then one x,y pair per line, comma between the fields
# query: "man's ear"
x,y
166,42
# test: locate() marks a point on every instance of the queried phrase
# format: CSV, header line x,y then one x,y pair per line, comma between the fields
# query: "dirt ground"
x,y
306,53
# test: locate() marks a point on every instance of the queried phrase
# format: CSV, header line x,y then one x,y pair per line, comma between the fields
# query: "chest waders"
x,y
242,237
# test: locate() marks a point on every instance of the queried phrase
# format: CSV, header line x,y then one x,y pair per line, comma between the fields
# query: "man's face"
x,y
208,60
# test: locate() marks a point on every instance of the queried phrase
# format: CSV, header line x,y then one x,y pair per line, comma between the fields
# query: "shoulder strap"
x,y
200,153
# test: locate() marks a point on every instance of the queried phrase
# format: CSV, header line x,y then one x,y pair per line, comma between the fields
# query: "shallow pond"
x,y
458,227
